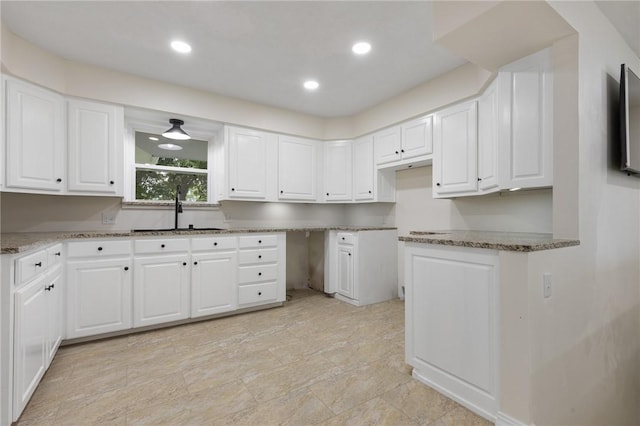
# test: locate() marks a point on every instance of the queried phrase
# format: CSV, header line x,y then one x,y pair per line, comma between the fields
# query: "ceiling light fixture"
x,y
169,146
176,132
180,46
361,48
311,85
153,138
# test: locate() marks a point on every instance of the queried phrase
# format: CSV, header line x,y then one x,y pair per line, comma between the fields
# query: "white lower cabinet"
x,y
213,283
451,322
161,289
261,269
361,266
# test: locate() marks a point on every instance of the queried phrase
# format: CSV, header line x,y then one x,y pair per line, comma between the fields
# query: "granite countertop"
x,y
506,241
18,242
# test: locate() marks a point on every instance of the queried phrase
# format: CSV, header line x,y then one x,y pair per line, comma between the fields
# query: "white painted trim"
x,y
503,419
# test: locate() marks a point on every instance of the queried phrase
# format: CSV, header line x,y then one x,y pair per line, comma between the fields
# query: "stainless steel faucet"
x,y
178,206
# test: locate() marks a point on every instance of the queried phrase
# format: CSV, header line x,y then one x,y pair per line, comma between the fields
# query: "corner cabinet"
x,y
452,322
370,184
297,168
455,168
95,147
35,138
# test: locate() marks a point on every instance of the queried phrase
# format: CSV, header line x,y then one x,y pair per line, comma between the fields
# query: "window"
x,y
162,164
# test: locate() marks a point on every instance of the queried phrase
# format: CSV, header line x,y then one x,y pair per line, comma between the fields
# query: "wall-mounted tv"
x,y
629,121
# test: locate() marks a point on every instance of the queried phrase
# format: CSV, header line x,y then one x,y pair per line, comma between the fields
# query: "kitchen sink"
x,y
178,229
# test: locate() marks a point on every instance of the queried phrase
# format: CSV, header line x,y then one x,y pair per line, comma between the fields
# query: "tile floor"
x,y
314,361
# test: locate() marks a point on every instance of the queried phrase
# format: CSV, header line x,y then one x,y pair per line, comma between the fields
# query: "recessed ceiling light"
x,y
180,46
361,48
170,146
311,85
153,138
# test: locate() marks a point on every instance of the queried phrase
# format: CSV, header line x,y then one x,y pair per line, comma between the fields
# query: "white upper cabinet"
x,y
455,150
35,138
525,88
417,137
297,168
338,171
387,145
95,142
488,140
248,167
363,169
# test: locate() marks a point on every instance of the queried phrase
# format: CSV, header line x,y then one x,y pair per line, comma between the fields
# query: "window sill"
x,y
168,205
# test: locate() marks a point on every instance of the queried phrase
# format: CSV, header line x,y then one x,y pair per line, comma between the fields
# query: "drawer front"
x,y
257,273
54,255
31,265
257,293
99,248
162,245
346,238
214,243
258,256
253,241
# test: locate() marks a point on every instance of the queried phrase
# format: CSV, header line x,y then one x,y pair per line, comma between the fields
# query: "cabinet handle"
x,y
259,274
39,264
99,248
58,254
161,245
259,293
259,256
184,263
59,180
438,184
195,263
111,182
215,244
126,268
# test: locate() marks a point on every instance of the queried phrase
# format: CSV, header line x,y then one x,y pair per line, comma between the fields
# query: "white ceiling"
x,y
258,51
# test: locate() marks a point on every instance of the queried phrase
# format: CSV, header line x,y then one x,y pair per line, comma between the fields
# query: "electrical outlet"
x,y
108,218
546,284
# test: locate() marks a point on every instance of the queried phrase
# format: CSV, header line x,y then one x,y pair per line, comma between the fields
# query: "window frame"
x,y
198,129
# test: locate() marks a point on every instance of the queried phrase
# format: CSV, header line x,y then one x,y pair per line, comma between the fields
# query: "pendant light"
x,y
176,132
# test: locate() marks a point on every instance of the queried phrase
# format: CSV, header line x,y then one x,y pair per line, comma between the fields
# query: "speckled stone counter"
x,y
18,242
506,241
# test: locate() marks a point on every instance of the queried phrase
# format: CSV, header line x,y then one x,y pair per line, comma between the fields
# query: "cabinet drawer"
x,y
54,255
346,238
99,248
258,256
31,265
162,245
258,241
257,293
257,273
214,243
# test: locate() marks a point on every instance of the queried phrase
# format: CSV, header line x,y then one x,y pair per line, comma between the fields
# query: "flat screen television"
x,y
629,121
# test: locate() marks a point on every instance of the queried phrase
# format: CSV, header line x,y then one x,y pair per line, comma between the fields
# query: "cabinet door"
x,y
297,160
29,342
213,283
35,138
161,289
247,163
54,298
337,171
387,145
363,169
488,140
98,296
526,102
455,150
95,134
417,137
345,271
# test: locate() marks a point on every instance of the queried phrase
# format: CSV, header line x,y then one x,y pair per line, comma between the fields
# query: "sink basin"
x,y
179,229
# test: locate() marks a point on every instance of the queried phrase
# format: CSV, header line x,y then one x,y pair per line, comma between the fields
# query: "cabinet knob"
x,y
327,194
99,248
259,274
402,150
349,254
195,263
52,286
111,182
233,189
259,256
161,245
259,293
59,180
58,254
184,263
126,268
342,238
479,179
39,264
215,244
47,288
438,184
281,191
259,241
369,191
